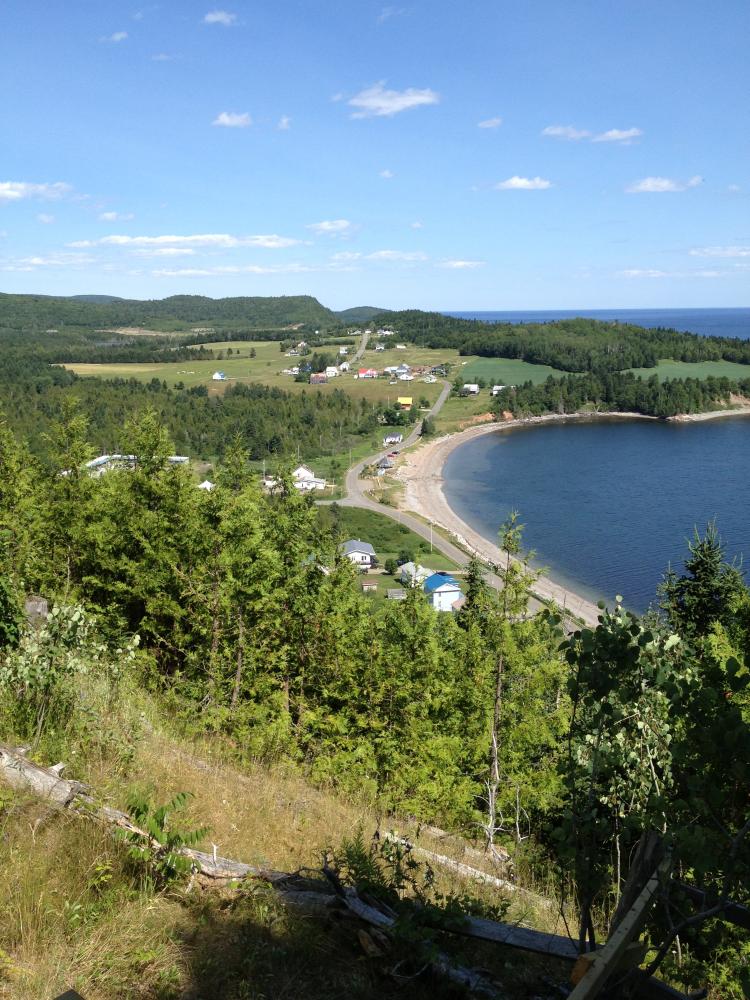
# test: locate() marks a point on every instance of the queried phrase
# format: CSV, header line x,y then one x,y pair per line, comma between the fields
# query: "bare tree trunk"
x,y
240,659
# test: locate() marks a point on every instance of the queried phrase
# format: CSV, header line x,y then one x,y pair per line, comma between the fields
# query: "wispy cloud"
x,y
406,256
222,17
285,123
54,260
460,265
115,216
224,241
165,252
210,272
733,188
517,183
233,119
648,272
622,135
162,57
377,102
388,12
490,123
45,219
117,36
726,252
387,174
662,185
18,190
568,132
331,227
416,225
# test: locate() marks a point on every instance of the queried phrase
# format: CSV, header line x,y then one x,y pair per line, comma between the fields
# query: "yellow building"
x,y
405,402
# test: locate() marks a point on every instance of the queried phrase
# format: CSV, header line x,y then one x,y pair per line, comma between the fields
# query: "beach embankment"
x,y
423,479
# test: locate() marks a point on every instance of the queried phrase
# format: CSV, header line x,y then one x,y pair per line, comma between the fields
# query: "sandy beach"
x,y
422,476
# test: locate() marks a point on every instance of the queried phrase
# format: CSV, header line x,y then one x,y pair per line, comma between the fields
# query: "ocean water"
x,y
706,322
608,505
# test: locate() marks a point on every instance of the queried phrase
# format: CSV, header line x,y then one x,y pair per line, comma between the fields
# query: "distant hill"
x,y
174,313
359,314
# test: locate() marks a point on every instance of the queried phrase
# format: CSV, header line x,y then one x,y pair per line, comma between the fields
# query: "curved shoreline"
x,y
423,479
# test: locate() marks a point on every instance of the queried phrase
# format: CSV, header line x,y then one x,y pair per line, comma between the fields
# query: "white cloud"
x,y
220,17
207,272
45,219
233,119
118,36
166,252
490,123
162,57
660,185
636,272
285,123
460,265
517,183
52,260
17,190
410,257
727,252
377,102
623,135
331,227
115,216
566,132
388,12
417,225
387,174
223,241
734,188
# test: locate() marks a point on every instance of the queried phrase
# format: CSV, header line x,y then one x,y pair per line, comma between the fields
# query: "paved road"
x,y
356,497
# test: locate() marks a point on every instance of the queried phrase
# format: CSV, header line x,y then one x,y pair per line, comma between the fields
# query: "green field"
x,y
388,538
666,369
505,371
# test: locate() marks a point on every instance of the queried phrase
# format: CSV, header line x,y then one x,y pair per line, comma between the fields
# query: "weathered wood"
x,y
604,962
23,775
554,945
648,855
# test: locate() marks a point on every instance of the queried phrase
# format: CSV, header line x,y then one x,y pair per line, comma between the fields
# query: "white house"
x,y
219,377
368,373
497,389
393,439
106,463
380,347
442,591
331,371
306,481
472,388
400,347
344,366
414,575
361,554
343,351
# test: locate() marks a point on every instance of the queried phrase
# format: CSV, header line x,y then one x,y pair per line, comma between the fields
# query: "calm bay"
x,y
608,505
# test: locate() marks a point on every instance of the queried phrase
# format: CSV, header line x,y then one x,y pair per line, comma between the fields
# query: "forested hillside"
x,y
252,629
574,345
40,312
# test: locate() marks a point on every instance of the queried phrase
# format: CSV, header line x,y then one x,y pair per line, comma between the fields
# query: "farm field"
x,y
667,368
266,369
505,371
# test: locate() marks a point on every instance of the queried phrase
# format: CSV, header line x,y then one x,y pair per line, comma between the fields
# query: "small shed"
x,y
396,594
369,586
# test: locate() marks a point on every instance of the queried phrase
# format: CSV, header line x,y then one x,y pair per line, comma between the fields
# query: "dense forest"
x,y
619,392
573,345
250,625
41,312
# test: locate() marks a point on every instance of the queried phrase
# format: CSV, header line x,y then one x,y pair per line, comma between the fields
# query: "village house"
x,y
380,347
400,347
361,554
405,402
219,377
414,575
385,333
343,351
331,371
344,366
106,463
367,373
306,481
497,389
393,439
318,378
443,592
406,377
471,388
384,465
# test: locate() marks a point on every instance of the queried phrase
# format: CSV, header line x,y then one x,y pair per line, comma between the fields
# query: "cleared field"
x,y
505,371
699,369
266,368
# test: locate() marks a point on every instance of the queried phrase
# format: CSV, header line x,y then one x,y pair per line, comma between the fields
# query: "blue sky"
x,y
487,154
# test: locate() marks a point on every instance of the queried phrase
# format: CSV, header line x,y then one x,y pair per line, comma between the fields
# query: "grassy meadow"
x,y
667,369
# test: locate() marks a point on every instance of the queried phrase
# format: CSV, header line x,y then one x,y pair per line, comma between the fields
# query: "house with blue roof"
x,y
442,591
